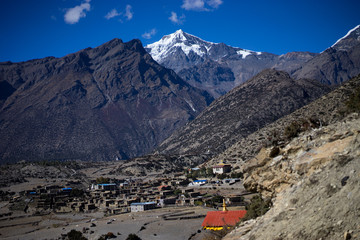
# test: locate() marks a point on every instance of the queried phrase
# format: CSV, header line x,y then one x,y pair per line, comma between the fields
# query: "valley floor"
x,y
147,225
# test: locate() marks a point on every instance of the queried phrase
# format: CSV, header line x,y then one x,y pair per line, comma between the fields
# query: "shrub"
x,y
75,235
256,208
274,152
222,176
177,191
217,199
353,104
292,130
102,180
133,236
236,175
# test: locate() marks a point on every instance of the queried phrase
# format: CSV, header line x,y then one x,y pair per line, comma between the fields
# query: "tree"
x,y
209,172
257,207
222,176
102,180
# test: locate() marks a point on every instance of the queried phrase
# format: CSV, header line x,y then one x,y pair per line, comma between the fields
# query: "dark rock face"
x,y
110,102
337,63
211,76
217,67
265,98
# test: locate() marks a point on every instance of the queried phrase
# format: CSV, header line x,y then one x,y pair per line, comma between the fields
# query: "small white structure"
x,y
140,207
104,186
198,182
221,168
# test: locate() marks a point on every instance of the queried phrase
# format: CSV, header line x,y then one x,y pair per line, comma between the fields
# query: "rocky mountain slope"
x,y
336,64
328,109
217,67
262,100
110,102
314,183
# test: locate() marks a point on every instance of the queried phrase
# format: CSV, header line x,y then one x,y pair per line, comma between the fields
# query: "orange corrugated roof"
x,y
223,218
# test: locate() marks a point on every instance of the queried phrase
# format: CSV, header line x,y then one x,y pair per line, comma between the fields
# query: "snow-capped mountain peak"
x,y
189,49
351,39
178,40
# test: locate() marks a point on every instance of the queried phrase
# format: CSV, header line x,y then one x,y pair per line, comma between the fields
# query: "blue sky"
x,y
39,28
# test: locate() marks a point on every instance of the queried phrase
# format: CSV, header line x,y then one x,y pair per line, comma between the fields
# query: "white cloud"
x,y
198,5
148,35
214,3
201,5
175,19
74,14
113,13
128,13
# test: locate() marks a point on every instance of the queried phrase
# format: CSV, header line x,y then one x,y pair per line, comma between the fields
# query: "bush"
x,y
102,180
256,208
222,176
274,152
353,104
75,235
217,199
237,175
177,192
133,236
292,130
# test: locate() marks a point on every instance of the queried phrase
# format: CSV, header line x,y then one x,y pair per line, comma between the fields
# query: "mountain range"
x,y
107,103
117,101
217,67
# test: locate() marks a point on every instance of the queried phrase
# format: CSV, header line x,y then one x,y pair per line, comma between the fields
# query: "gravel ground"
x,y
147,225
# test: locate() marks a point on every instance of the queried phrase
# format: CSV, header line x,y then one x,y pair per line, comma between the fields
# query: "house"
x,y
221,168
198,182
104,186
218,220
140,207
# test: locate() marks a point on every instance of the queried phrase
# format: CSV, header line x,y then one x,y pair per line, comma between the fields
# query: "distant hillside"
x,y
326,110
249,107
107,103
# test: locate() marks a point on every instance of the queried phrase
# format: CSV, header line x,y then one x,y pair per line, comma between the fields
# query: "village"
x,y
215,189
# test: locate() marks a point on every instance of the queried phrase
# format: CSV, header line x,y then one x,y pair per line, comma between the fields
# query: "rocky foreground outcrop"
x,y
314,183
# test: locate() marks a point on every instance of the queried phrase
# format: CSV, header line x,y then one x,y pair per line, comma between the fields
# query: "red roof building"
x,y
217,220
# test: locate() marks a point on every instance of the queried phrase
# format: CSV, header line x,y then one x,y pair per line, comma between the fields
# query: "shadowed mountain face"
x,y
110,102
263,99
336,64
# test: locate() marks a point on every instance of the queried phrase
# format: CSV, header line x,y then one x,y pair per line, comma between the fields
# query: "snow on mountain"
x,y
244,53
216,67
355,30
188,44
